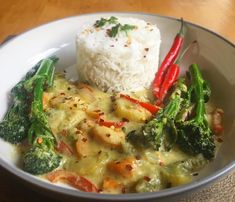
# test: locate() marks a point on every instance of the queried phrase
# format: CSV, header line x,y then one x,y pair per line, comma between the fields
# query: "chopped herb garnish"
x,y
127,28
114,30
103,21
100,23
112,20
118,28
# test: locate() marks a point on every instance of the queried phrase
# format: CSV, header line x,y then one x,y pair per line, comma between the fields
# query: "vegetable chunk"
x,y
113,138
133,112
124,167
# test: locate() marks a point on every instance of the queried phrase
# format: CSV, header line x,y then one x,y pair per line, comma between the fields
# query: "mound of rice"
x,y
127,62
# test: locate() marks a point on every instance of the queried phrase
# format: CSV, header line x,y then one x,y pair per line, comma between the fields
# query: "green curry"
x,y
91,128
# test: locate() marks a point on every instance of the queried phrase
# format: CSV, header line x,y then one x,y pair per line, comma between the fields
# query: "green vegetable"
x,y
39,160
103,21
190,165
206,90
16,123
41,157
180,172
42,79
161,131
194,134
174,174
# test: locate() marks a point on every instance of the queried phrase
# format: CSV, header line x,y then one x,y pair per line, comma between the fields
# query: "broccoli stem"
x,y
39,83
173,107
198,91
42,79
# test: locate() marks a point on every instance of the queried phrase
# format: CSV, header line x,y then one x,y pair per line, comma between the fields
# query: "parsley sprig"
x,y
118,28
103,21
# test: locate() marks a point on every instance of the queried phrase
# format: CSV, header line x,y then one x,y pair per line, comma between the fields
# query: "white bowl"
x,y
217,59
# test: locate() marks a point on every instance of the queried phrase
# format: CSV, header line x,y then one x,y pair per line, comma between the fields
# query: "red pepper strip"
x,y
73,179
111,123
151,108
168,60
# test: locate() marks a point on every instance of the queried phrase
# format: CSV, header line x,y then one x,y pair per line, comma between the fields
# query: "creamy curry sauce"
x,y
100,153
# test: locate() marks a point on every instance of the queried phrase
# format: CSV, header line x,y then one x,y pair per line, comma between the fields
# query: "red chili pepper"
x,y
171,76
111,123
151,108
168,60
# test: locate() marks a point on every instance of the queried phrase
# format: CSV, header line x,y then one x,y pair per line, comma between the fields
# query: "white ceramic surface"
x,y
217,59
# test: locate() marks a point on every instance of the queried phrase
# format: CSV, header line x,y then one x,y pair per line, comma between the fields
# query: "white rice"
x,y
127,62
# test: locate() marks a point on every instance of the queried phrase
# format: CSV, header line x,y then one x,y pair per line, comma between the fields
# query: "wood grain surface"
x,y
17,16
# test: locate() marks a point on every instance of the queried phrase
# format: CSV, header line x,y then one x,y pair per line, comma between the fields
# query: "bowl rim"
x,y
26,177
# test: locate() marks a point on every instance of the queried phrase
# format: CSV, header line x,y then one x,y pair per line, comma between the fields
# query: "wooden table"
x,y
17,16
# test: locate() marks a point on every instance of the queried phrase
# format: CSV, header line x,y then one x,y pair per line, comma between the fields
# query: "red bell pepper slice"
x,y
151,108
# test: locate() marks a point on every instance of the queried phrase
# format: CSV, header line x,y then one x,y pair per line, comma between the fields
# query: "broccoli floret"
x,y
15,130
194,135
161,132
16,122
14,127
149,135
39,160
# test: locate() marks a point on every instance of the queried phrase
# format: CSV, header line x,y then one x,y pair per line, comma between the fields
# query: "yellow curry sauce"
x,y
102,154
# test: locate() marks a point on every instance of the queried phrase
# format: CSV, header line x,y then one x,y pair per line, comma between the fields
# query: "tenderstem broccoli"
x,y
194,134
26,118
41,157
160,132
16,123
